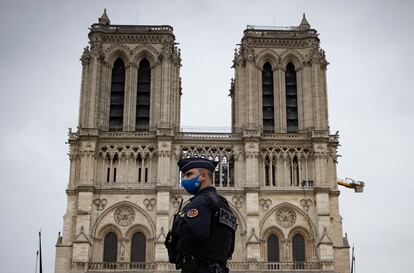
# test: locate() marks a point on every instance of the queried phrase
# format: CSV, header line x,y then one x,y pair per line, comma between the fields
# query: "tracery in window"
x,y
291,99
268,98
142,168
116,108
143,96
270,171
294,172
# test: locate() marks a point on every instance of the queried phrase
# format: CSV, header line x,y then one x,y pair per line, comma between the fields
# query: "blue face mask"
x,y
191,185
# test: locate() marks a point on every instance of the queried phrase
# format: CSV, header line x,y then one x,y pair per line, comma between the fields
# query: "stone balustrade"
x,y
233,266
136,28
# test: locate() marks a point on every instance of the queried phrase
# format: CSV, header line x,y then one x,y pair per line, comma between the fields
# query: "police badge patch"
x,y
228,219
192,213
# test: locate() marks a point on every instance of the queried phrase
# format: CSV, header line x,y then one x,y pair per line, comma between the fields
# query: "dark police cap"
x,y
186,164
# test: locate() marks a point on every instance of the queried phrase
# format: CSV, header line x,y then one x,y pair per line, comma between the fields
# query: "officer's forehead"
x,y
191,171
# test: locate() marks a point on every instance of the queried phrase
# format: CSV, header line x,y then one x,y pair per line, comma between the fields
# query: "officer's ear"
x,y
204,175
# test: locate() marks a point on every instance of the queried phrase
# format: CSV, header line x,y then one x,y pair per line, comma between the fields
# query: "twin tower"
x,y
277,167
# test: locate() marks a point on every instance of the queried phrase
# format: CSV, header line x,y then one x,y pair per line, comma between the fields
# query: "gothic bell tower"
x,y
129,112
279,107
280,81
130,79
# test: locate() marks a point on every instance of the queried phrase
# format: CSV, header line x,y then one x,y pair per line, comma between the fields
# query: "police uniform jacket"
x,y
206,228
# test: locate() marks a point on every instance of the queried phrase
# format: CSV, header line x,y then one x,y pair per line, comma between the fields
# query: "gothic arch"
x,y
308,240
151,229
126,151
267,55
138,228
297,210
117,51
265,235
292,56
273,229
106,229
300,230
149,245
144,51
240,219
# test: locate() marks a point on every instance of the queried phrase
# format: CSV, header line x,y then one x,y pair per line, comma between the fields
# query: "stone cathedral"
x,y
277,166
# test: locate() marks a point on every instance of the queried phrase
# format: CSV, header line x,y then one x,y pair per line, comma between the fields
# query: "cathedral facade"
x,y
277,167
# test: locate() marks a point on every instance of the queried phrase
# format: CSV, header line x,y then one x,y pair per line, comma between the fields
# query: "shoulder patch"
x,y
192,213
228,219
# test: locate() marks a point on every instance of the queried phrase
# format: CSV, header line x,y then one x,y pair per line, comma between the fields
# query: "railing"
x,y
127,134
233,266
254,27
136,28
208,135
126,266
278,32
197,129
299,136
279,266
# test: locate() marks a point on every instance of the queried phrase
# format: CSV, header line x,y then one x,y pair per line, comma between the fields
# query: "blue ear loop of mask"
x,y
191,185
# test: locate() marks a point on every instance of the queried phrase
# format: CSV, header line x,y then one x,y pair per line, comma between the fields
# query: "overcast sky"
x,y
369,47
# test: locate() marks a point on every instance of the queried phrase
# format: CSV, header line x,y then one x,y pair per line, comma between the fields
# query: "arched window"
x,y
291,99
143,96
116,108
270,171
273,248
298,250
268,98
294,172
110,248
138,247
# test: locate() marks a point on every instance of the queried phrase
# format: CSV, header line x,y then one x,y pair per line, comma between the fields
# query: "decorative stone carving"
x,y
306,204
253,237
176,200
100,203
124,216
285,217
238,201
265,204
161,236
135,151
150,203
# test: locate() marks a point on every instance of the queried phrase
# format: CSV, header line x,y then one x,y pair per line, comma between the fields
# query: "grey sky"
x,y
368,45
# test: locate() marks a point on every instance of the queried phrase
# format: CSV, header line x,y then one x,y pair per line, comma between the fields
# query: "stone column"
x,y
165,85
162,217
308,103
252,209
324,99
130,99
87,163
164,160
324,228
82,241
252,165
282,98
317,96
93,92
83,110
105,96
299,102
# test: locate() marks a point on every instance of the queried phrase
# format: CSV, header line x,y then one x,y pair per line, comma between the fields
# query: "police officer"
x,y
203,232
